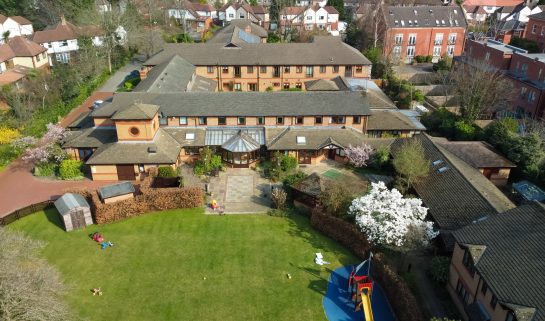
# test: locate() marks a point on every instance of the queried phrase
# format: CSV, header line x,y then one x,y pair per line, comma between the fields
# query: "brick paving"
x,y
84,107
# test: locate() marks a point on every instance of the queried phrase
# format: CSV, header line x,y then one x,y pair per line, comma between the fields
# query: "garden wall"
x,y
149,200
397,291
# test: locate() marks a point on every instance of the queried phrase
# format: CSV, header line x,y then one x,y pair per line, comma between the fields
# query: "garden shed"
x,y
74,210
116,192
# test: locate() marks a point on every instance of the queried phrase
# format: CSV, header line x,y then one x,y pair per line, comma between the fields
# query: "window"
x,y
38,58
299,85
241,16
468,262
261,120
250,69
141,168
276,84
286,85
338,120
44,54
263,69
299,120
252,87
190,136
63,57
531,96
241,121
286,69
410,51
523,92
276,71
318,120
225,69
301,140
231,15
237,71
340,152
534,28
412,39
462,292
359,69
310,71
222,120
202,120
299,69
183,120
451,38
397,50
309,17
493,301
484,288
322,69
438,39
437,51
335,69
524,69
134,131
398,39
487,56
356,120
279,120
64,43
191,150
237,87
322,17
163,121
210,69
450,51
542,30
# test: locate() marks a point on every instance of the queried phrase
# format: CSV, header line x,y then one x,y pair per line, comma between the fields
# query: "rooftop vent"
x,y
437,22
431,11
455,11
416,22
396,23
437,162
415,12
443,169
152,149
443,22
410,22
456,22
402,23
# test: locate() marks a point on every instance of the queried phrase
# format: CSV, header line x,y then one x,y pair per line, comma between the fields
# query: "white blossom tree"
x,y
359,155
389,219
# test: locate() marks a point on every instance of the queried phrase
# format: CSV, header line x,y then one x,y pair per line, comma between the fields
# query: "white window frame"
x,y
412,39
183,120
398,39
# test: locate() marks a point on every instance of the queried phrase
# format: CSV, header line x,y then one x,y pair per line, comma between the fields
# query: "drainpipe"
x,y
218,75
258,86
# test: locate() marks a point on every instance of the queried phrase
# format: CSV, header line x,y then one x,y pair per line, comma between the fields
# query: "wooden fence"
x,y
22,212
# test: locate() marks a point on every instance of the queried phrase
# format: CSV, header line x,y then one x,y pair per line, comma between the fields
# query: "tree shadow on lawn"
x,y
299,226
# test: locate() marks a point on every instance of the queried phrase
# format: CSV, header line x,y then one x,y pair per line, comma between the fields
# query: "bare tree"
x,y
480,89
30,288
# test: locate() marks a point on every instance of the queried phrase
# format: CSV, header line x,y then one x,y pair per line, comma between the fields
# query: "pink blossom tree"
x,y
45,149
359,155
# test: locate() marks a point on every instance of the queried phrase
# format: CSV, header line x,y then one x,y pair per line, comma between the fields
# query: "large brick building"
x,y
422,31
535,29
526,72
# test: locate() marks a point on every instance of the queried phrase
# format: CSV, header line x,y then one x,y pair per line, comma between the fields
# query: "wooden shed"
x,y
74,210
116,192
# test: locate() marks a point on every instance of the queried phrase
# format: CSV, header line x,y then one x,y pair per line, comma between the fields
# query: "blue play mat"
x,y
338,306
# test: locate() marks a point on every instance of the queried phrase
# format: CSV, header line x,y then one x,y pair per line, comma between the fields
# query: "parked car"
x,y
97,104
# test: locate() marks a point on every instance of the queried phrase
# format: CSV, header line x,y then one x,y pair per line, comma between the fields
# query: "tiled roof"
x,y
90,137
424,16
136,111
13,75
21,20
326,50
65,30
321,85
538,16
244,103
331,10
20,47
492,3
459,194
180,135
292,11
390,119
512,262
478,154
172,75
225,35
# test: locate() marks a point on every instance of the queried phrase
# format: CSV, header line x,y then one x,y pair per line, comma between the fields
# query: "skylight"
x,y
403,23
301,140
190,136
437,162
443,169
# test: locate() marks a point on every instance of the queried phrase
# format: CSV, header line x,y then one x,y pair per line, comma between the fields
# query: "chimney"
x,y
143,73
63,20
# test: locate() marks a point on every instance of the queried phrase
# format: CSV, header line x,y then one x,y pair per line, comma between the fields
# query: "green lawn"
x,y
157,267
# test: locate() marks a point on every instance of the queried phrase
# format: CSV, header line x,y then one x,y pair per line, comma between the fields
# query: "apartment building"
x,y
256,66
535,29
310,18
526,72
496,272
18,57
14,26
422,31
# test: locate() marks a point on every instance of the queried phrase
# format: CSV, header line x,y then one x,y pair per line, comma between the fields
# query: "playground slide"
x,y
366,303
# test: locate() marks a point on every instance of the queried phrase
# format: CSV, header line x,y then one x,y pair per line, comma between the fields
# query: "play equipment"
x,y
360,287
97,237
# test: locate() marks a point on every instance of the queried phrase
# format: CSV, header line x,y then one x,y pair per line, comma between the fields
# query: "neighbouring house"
x,y
197,17
240,31
242,10
116,192
422,31
18,57
61,39
315,17
256,66
481,156
526,72
513,23
13,27
456,193
535,29
496,272
74,210
477,11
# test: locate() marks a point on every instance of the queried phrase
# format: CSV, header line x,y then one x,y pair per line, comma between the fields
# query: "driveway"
x,y
117,79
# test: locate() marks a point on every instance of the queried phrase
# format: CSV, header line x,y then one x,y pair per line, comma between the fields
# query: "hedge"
x,y
150,200
397,291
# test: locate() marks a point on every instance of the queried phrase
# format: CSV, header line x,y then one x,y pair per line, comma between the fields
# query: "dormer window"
x,y
396,22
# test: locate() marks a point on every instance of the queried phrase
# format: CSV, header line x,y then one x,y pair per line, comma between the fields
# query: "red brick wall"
x,y
497,58
425,38
538,36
